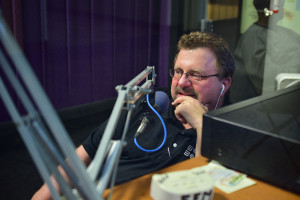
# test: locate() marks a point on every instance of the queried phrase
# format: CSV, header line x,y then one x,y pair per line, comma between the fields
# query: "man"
x,y
201,78
250,56
265,50
206,60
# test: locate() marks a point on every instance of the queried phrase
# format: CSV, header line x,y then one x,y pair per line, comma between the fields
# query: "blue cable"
x,y
164,126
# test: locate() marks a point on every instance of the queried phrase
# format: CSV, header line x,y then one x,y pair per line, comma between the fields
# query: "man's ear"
x,y
227,83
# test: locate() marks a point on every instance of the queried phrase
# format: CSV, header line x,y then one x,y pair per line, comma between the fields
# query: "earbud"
x,y
223,87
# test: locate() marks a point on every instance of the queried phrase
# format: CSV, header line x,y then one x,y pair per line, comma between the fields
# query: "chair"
x,y
284,80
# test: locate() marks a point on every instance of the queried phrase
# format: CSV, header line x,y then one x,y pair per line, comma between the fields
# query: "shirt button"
x,y
174,145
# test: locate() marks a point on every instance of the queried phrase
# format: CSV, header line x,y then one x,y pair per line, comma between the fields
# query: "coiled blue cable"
x,y
164,126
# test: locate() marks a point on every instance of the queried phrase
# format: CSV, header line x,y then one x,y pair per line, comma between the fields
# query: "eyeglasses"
x,y
191,76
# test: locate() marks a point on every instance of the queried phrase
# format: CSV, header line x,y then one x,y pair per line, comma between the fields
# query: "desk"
x,y
139,189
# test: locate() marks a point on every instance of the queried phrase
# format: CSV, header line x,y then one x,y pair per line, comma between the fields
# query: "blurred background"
x,y
81,50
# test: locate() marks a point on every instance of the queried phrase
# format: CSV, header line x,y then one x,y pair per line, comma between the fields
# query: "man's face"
x,y
200,60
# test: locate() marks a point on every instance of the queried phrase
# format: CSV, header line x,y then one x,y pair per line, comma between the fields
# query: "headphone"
x,y
223,88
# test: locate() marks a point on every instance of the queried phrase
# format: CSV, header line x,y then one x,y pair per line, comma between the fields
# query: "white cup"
x,y
191,184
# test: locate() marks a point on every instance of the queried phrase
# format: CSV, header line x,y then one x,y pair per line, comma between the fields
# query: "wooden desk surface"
x,y
139,189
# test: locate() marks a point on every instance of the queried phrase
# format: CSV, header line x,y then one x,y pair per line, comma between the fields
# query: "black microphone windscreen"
x,y
162,101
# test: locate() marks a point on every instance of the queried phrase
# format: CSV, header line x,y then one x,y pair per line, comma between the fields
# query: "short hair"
x,y
261,4
194,40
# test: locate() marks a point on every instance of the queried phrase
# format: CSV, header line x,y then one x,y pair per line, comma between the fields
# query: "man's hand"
x,y
189,111
44,193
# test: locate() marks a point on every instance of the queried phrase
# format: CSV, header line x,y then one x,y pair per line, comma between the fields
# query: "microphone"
x,y
161,106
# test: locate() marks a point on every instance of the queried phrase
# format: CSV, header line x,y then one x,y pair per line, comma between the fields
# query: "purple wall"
x,y
80,50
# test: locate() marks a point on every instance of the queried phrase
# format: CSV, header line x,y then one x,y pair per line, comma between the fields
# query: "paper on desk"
x,y
225,179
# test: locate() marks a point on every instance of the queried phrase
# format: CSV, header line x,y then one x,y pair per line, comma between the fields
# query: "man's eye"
x,y
196,75
178,72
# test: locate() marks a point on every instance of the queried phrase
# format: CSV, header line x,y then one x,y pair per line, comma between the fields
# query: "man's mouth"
x,y
184,92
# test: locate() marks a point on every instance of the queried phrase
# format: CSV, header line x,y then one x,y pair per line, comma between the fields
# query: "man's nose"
x,y
184,81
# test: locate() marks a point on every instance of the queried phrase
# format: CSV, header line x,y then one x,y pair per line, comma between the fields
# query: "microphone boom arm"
x,y
42,122
128,95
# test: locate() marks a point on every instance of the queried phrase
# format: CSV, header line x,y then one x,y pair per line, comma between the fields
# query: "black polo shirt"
x,y
179,146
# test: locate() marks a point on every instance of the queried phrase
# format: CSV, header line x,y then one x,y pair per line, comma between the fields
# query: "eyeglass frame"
x,y
188,75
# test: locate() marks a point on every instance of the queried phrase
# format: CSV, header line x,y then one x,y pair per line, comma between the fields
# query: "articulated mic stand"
x,y
47,139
